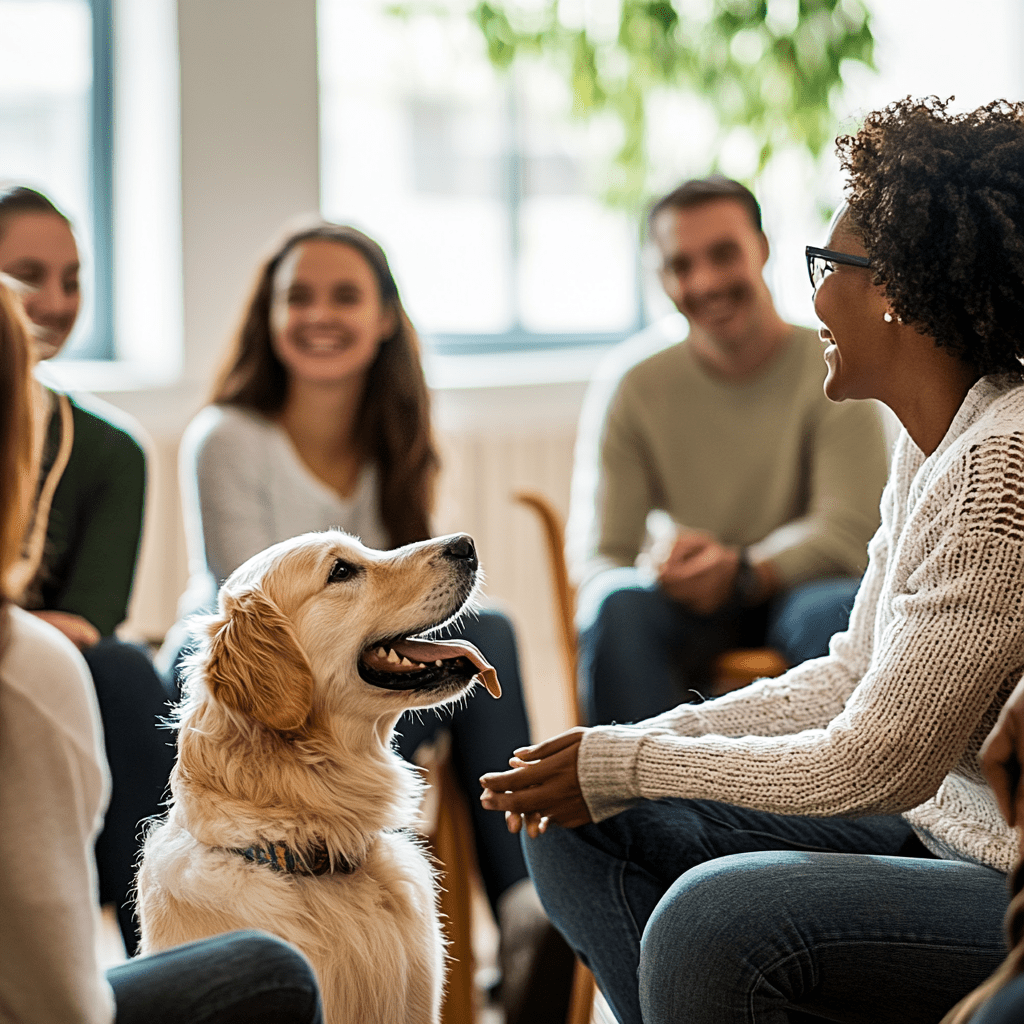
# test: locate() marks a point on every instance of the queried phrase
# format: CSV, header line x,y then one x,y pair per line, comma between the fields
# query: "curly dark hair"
x,y
938,199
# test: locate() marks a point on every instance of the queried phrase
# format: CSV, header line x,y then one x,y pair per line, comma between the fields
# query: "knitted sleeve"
x,y
919,678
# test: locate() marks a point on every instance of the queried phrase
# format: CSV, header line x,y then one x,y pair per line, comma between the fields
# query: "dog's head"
x,y
323,624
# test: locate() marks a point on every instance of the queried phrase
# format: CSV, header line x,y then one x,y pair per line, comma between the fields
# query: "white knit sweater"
x,y
892,719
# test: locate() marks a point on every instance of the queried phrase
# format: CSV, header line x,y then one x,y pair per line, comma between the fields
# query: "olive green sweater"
x,y
768,463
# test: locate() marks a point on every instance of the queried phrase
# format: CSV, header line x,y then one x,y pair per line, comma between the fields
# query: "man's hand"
x,y
81,632
699,572
542,786
1002,755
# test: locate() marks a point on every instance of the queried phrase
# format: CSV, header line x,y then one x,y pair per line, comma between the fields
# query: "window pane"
x,y
577,269
577,257
45,83
479,185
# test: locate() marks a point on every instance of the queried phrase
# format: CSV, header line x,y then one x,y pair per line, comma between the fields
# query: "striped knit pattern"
x,y
891,721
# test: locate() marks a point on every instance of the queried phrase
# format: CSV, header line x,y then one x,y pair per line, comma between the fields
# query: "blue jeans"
x,y
240,978
641,653
703,912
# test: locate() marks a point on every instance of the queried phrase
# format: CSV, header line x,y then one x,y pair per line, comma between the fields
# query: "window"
x,y
481,187
55,134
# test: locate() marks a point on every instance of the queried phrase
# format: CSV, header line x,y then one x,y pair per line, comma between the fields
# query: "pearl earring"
x,y
887,317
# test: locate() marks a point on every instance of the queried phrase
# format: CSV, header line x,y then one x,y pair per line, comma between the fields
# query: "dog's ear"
x,y
255,664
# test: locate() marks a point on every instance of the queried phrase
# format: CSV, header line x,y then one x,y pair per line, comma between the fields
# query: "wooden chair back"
x,y
733,669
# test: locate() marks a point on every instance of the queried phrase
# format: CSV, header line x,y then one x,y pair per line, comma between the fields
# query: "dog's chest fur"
x,y
285,738
372,936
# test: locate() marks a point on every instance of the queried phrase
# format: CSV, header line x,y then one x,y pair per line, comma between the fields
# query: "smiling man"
x,y
772,489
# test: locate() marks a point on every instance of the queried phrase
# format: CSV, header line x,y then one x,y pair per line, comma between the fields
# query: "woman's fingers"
x,y
514,779
529,773
535,824
527,801
551,746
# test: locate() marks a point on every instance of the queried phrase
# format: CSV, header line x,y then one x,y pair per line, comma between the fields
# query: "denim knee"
x,y
692,952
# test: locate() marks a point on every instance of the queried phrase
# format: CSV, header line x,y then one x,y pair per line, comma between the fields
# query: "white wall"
x,y
244,94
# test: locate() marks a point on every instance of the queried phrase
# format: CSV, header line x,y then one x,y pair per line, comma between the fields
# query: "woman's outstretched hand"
x,y
1002,755
542,786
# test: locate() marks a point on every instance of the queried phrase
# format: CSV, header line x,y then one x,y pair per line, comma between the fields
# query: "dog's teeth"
x,y
381,653
392,657
406,663
438,663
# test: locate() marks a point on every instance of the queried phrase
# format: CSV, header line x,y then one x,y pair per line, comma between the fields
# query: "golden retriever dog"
x,y
289,810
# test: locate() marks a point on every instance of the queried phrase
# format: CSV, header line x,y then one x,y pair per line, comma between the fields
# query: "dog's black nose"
x,y
461,548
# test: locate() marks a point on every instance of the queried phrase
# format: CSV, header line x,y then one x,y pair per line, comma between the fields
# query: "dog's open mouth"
x,y
411,664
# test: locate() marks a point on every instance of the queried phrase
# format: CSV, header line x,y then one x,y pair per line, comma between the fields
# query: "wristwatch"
x,y
746,586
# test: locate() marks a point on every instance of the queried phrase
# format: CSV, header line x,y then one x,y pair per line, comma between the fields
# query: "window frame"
x,y
101,344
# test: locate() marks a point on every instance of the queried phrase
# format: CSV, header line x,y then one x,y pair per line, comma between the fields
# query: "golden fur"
x,y
282,740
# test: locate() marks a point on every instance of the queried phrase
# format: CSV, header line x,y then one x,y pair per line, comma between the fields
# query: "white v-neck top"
x,y
244,487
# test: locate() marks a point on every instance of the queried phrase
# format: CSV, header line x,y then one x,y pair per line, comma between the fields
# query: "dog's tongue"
x,y
427,651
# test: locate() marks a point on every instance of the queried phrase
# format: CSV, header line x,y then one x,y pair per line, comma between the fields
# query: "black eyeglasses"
x,y
821,263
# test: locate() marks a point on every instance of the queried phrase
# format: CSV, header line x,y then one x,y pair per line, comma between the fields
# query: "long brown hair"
x,y
1010,968
393,425
15,440
18,199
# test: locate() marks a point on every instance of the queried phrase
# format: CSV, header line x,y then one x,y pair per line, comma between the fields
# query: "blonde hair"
x,y
15,436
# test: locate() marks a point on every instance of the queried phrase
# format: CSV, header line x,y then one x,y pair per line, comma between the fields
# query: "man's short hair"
x,y
699,191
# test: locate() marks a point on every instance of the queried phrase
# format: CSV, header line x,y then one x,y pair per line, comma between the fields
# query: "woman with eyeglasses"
x,y
823,846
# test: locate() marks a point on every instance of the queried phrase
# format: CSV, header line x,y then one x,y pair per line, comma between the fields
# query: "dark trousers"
x,y
641,653
140,753
240,978
484,733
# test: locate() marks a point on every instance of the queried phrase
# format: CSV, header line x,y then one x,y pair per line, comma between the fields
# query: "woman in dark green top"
x,y
87,527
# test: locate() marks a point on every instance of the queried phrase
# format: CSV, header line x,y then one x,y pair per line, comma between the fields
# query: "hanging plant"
x,y
771,69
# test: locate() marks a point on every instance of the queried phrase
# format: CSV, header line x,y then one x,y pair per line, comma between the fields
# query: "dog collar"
x,y
314,860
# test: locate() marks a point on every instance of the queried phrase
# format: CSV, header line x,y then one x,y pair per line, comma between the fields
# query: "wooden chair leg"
x,y
451,841
581,1004
731,671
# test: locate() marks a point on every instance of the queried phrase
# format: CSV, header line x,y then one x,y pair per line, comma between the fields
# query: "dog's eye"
x,y
342,570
